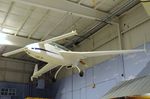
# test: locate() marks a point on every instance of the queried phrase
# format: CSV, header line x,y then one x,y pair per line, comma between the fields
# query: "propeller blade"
x,y
13,52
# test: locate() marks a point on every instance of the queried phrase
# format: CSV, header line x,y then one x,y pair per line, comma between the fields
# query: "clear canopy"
x,y
59,46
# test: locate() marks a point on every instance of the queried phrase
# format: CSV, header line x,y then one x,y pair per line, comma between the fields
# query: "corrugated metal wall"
x,y
12,70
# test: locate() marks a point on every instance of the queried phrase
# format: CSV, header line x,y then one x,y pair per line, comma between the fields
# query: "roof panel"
x,y
4,5
2,16
106,5
9,31
14,20
20,10
90,3
64,24
49,24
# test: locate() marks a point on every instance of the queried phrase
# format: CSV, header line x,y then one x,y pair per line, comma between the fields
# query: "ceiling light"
x,y
4,39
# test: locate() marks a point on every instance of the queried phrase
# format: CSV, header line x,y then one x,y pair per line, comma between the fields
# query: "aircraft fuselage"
x,y
47,53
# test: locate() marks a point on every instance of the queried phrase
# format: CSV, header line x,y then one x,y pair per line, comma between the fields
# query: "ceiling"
x,y
43,19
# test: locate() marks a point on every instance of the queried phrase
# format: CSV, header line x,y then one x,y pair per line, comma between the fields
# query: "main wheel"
x,y
53,79
81,74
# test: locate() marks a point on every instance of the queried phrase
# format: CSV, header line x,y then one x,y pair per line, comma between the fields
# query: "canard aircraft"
x,y
57,55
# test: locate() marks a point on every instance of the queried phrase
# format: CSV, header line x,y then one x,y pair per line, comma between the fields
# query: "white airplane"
x,y
57,55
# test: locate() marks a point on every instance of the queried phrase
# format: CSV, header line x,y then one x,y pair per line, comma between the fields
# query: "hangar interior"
x,y
102,25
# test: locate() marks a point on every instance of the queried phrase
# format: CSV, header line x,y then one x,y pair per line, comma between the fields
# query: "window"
x,y
8,91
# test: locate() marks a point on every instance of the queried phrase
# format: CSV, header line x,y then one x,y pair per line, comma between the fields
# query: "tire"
x,y
81,74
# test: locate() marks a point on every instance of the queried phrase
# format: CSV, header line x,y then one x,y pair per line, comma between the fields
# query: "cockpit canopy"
x,y
59,46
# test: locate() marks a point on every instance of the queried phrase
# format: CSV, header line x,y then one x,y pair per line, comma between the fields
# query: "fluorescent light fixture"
x,y
147,94
7,30
4,39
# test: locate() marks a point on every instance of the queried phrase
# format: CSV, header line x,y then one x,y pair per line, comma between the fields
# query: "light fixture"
x,y
4,39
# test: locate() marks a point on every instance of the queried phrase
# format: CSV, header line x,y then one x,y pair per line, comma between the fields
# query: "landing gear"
x,y
56,74
81,73
54,79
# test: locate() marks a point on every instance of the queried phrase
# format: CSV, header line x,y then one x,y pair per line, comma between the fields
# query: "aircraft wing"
x,y
14,52
83,55
73,33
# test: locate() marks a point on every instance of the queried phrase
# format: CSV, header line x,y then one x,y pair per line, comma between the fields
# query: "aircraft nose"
x,y
26,49
29,49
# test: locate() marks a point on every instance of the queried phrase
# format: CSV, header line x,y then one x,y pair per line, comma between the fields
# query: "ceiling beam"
x,y
36,27
24,21
7,39
55,27
65,6
9,10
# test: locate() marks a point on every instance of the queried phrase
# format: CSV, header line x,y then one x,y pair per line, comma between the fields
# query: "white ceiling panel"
x,y
8,30
49,24
4,5
13,20
90,3
20,10
2,16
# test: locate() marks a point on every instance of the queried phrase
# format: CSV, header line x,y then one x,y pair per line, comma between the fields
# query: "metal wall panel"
x,y
135,63
15,71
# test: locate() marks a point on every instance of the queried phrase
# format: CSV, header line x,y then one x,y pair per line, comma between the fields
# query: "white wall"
x,y
15,71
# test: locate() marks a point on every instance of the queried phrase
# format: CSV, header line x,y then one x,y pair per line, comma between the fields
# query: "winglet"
x,y
74,32
13,52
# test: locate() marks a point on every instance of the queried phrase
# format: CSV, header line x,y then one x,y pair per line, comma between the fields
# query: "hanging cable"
x,y
93,78
86,86
72,83
74,27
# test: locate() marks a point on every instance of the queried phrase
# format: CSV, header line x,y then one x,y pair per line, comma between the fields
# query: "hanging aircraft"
x,y
56,55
